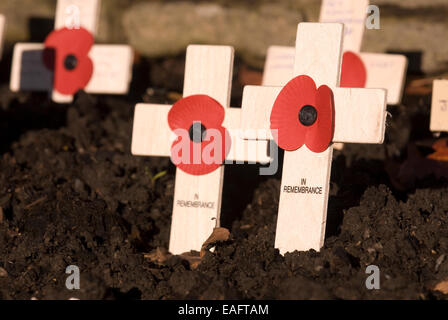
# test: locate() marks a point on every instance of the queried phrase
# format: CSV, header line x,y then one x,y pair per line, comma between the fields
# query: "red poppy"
x,y
66,52
353,71
303,114
202,143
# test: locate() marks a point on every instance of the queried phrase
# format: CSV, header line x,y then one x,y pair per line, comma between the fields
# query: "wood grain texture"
x,y
360,115
151,135
89,14
439,106
208,70
112,70
278,66
319,52
302,217
257,106
352,13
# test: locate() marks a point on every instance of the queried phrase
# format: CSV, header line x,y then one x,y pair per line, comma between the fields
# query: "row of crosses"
x,y
356,115
322,92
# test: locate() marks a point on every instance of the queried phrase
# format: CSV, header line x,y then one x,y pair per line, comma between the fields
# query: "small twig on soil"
x,y
32,204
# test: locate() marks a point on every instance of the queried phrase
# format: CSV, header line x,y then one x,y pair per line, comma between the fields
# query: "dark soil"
x,y
71,193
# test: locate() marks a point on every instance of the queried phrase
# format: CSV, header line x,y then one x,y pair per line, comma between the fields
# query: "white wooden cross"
x,y
383,70
208,71
360,116
439,107
2,32
112,64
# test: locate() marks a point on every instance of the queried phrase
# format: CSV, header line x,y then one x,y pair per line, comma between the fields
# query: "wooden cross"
x,y
360,116
439,106
112,64
383,70
197,199
2,32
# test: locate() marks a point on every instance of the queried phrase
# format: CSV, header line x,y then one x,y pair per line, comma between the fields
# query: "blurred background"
x,y
164,28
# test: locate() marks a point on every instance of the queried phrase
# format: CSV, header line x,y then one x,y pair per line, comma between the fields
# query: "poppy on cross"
x,y
348,115
204,109
69,61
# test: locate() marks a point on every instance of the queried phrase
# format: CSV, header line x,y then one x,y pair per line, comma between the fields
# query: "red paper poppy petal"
x,y
321,132
202,167
58,45
353,72
49,58
204,109
75,41
67,82
289,137
298,92
196,108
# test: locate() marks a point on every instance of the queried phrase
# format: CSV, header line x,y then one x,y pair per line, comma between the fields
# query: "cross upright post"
x,y
439,107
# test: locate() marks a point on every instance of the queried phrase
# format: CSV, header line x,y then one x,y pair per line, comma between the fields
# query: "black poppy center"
x,y
307,115
197,132
70,62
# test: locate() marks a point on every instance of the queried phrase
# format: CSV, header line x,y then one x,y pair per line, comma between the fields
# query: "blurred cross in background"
x,y
112,64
